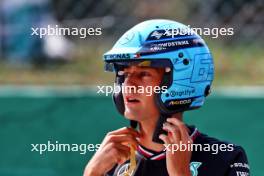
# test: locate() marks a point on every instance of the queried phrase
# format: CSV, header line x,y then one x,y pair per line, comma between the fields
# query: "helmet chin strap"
x,y
167,78
133,124
159,130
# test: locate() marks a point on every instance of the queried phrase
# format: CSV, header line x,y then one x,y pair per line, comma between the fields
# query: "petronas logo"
x,y
194,168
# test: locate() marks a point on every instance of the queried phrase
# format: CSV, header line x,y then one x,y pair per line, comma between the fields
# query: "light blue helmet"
x,y
168,44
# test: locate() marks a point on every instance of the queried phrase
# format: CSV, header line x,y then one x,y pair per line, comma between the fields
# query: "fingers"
x,y
183,129
117,143
125,130
165,139
177,131
120,153
125,136
173,131
115,149
123,139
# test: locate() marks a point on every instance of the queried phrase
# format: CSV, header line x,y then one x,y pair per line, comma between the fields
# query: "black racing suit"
x,y
214,158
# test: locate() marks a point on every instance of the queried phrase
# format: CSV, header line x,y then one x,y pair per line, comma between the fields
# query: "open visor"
x,y
115,66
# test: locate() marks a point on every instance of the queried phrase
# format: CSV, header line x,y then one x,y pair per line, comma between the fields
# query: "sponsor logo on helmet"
x,y
187,92
180,102
164,45
117,56
157,34
168,33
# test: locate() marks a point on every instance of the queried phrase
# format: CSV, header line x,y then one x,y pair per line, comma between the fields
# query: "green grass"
x,y
234,65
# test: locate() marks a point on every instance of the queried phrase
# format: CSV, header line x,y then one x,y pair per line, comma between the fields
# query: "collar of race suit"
x,y
154,155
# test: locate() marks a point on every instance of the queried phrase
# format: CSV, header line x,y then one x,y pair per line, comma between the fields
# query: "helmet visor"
x,y
115,66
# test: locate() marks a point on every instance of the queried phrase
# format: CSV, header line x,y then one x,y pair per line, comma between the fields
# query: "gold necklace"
x,y
133,162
